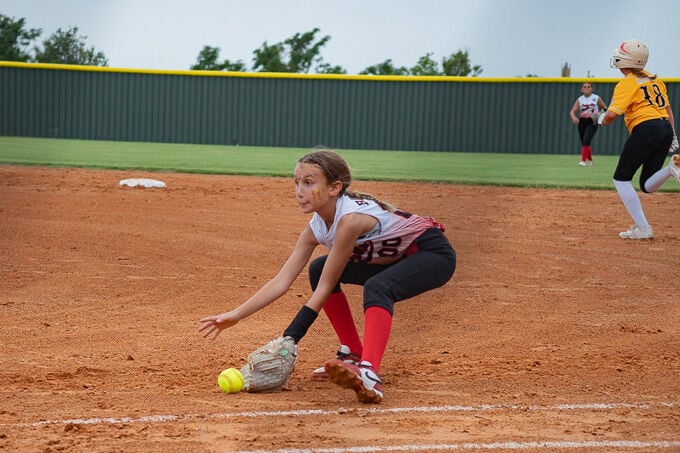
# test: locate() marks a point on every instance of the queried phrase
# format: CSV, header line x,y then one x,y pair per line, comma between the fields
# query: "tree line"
x,y
300,53
18,43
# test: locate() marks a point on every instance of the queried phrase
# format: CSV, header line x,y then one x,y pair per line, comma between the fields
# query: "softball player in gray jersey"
x,y
394,255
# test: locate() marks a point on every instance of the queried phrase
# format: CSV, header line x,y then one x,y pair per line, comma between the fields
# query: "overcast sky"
x,y
507,38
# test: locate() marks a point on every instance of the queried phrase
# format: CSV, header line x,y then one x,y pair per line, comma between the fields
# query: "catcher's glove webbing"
x,y
270,366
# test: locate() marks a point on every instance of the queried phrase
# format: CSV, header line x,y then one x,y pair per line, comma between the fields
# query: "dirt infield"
x,y
553,334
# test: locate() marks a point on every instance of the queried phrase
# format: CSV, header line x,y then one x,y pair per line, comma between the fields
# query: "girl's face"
x,y
312,190
586,89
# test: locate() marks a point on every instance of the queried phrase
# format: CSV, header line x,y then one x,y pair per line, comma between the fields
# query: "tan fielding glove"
x,y
270,366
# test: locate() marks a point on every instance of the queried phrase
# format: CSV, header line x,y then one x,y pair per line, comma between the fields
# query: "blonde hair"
x,y
335,168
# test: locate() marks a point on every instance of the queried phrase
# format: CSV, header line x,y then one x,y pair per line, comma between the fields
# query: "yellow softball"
x,y
230,380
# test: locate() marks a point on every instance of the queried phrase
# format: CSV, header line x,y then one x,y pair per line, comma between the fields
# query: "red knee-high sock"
x,y
589,153
377,327
584,153
339,314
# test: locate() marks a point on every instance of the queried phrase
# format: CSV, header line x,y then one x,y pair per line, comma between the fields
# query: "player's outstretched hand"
x,y
213,325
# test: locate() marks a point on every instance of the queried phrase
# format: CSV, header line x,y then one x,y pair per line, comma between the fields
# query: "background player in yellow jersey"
x,y
642,99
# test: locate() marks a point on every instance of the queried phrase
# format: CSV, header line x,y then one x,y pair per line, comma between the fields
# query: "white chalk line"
x,y
325,412
487,446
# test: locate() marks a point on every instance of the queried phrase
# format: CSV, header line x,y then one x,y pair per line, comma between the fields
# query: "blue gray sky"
x,y
507,38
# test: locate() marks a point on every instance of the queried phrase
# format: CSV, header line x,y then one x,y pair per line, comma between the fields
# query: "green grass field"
x,y
522,170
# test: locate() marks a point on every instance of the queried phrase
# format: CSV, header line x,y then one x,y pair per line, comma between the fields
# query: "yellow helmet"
x,y
632,54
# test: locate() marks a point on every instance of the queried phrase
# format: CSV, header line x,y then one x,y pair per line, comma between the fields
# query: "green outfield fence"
x,y
468,114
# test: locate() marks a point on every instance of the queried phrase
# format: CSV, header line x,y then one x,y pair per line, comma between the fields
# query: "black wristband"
x,y
301,323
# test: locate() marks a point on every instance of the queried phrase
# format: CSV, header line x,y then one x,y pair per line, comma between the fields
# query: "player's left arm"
x,y
606,117
623,95
675,145
350,227
671,119
601,104
609,114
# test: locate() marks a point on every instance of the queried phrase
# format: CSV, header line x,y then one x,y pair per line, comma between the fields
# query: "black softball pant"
x,y
647,147
384,284
586,130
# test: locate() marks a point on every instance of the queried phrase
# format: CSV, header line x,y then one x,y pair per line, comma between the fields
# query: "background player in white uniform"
x,y
587,106
394,255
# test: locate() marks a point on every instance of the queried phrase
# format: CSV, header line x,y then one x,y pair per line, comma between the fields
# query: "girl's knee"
x,y
377,295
